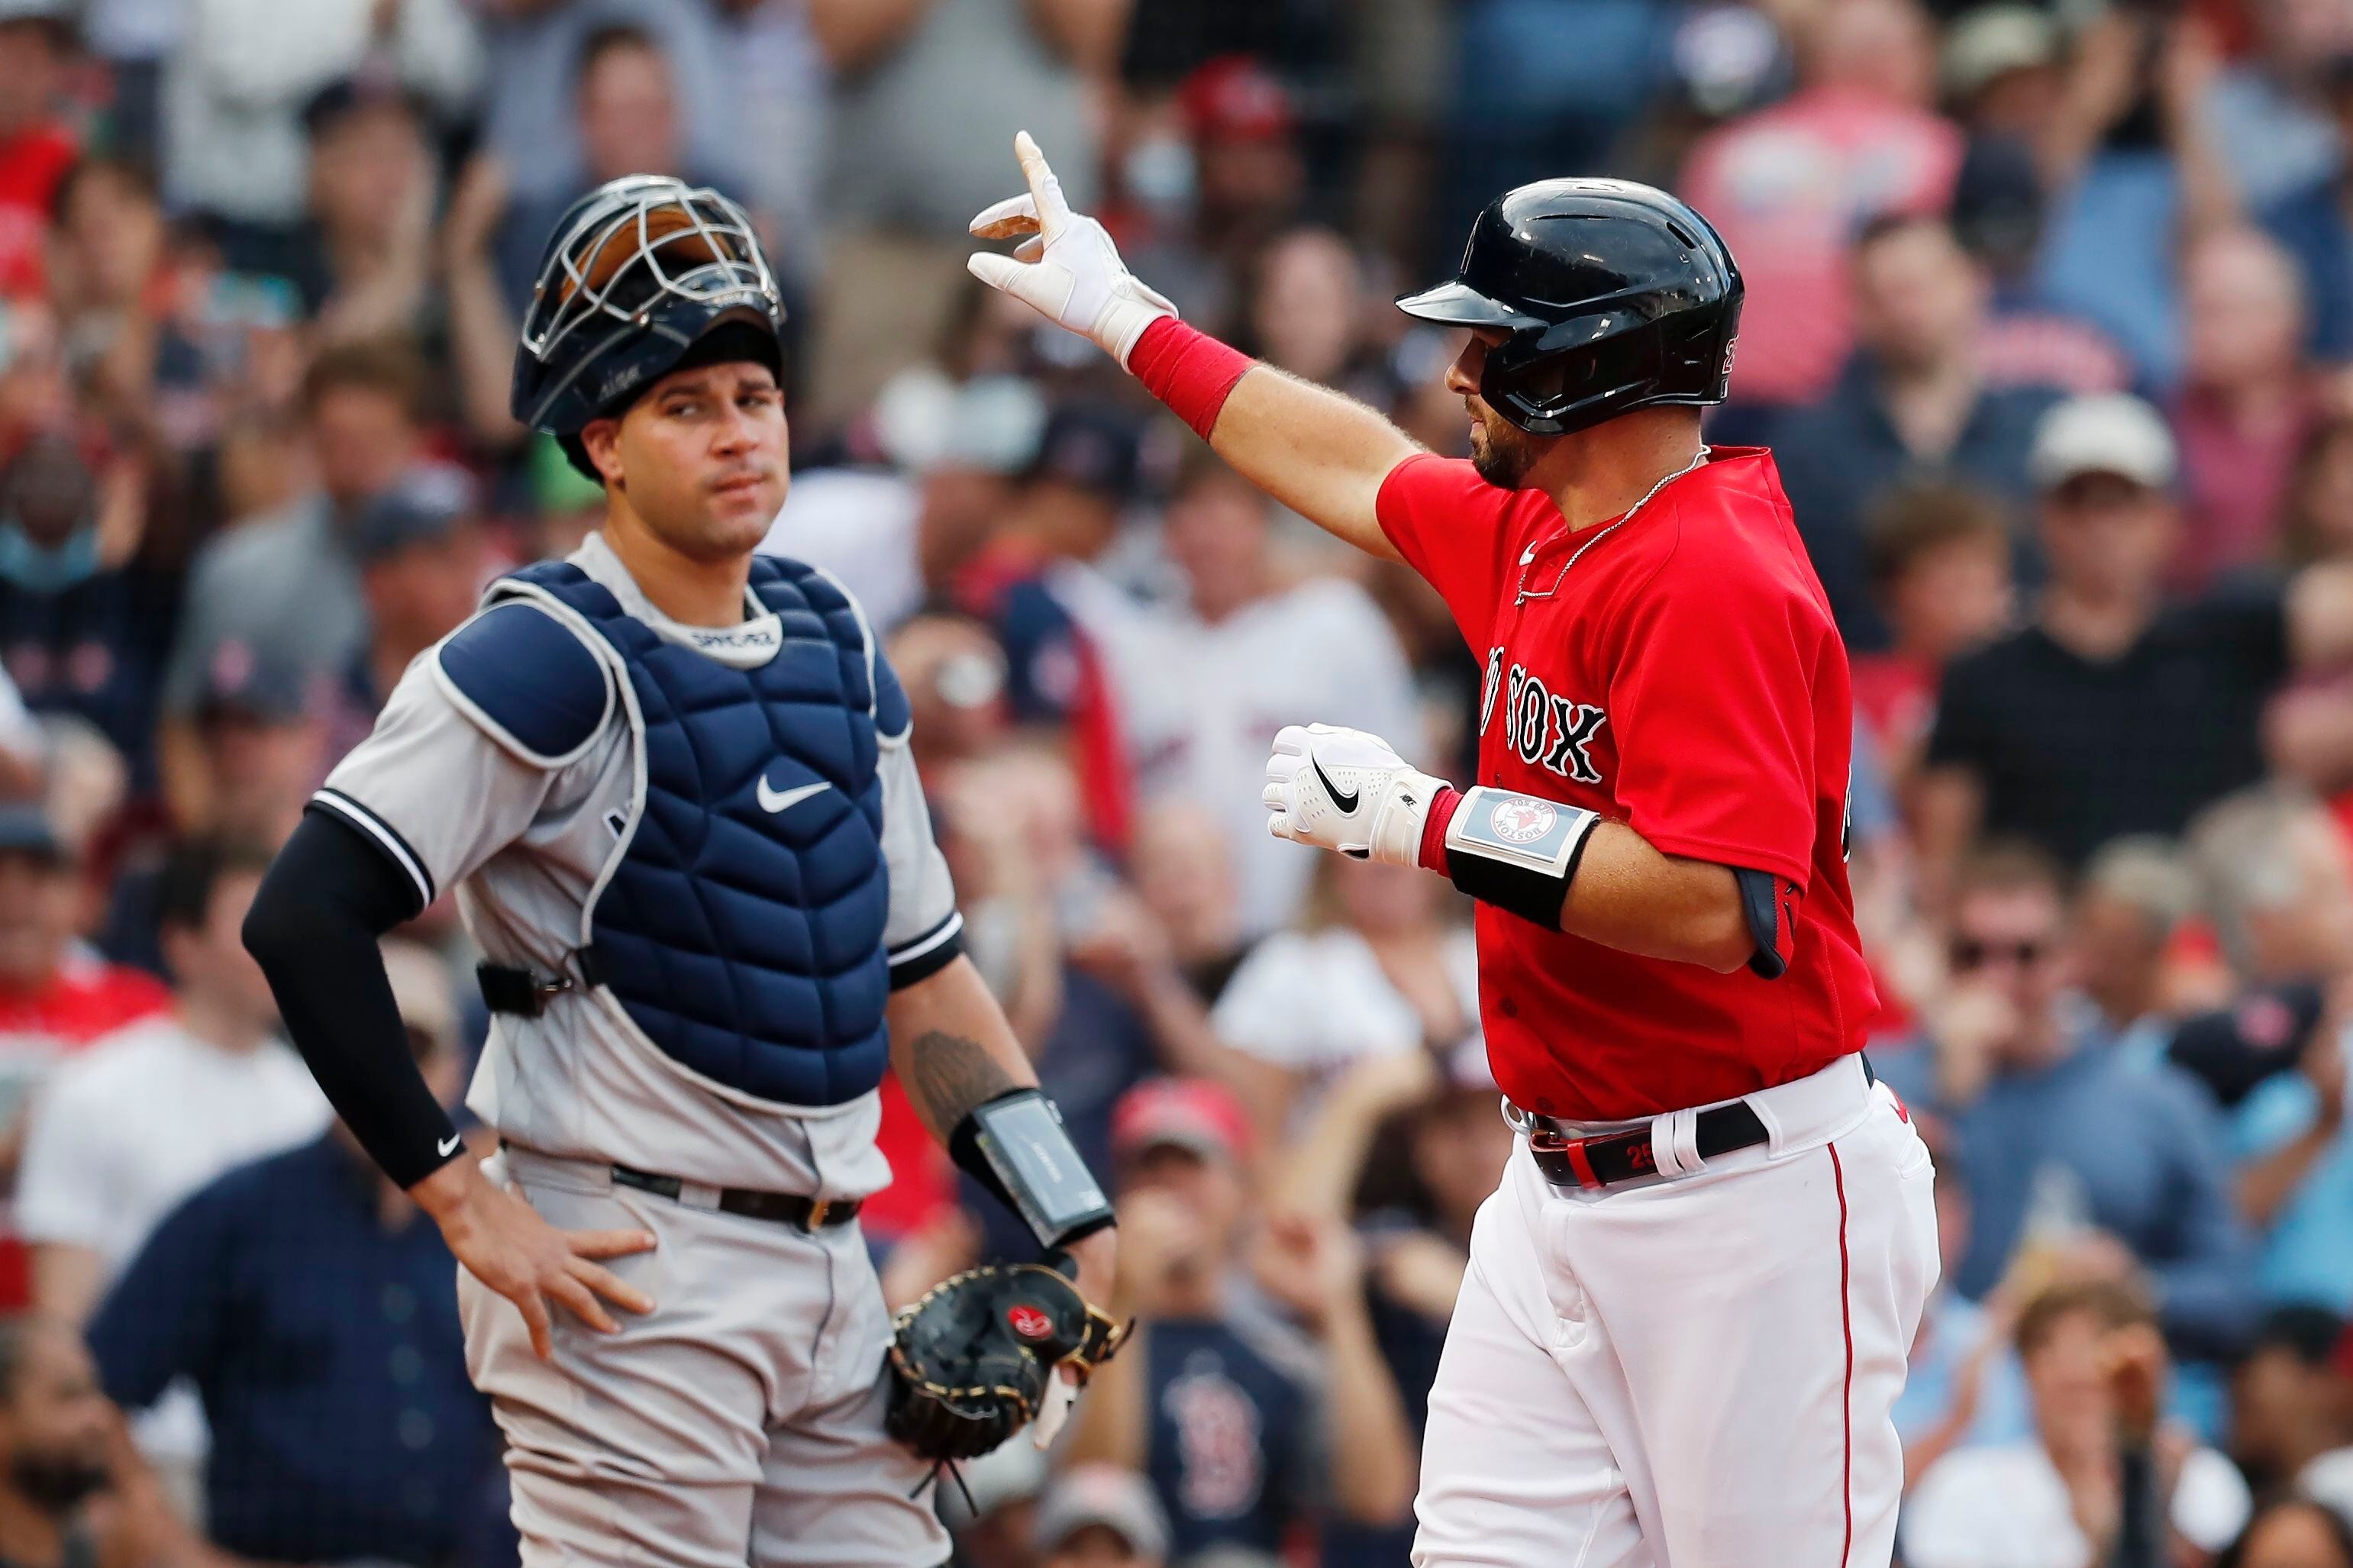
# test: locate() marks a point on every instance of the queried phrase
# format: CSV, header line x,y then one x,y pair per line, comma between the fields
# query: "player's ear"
x,y
601,439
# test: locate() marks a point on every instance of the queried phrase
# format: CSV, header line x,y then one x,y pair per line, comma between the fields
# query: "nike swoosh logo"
x,y
1346,803
773,800
448,1146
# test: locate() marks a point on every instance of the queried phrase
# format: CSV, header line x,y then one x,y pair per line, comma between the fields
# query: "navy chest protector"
x,y
738,922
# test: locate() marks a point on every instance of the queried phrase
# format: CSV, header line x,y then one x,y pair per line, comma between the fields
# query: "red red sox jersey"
x,y
1677,670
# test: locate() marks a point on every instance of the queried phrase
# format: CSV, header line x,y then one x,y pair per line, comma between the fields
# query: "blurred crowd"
x,y
2049,323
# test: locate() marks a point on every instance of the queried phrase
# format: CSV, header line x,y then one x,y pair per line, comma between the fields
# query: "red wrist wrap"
x,y
1433,829
1189,371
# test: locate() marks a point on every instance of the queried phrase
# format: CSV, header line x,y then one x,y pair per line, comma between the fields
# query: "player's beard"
x,y
1500,450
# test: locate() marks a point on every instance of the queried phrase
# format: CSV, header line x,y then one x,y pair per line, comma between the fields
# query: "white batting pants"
x,y
1695,1373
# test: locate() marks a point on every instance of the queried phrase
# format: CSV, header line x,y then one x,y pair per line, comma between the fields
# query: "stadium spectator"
x,y
2130,904
2269,107
2114,711
1938,558
2317,514
423,561
2290,1402
2101,1480
627,119
2129,162
1789,186
260,739
56,995
2062,1134
57,1455
1246,1425
1099,1516
1186,881
2245,407
1910,406
83,626
284,589
36,147
368,1443
2280,896
233,143
915,150
364,258
1997,214
1377,967
125,1129
2311,222
1242,662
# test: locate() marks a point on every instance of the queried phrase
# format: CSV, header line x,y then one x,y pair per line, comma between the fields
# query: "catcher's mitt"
x,y
972,1360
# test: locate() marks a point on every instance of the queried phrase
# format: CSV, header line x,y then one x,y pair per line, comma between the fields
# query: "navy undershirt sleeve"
x,y
329,897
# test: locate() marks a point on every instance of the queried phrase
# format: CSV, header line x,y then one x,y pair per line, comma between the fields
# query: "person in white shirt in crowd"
x,y
145,1116
242,70
1375,967
2101,1479
1252,651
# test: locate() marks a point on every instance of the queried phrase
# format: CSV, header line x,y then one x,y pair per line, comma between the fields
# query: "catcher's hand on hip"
x,y
1343,789
1067,269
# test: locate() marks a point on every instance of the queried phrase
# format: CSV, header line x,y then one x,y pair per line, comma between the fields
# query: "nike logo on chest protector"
x,y
773,800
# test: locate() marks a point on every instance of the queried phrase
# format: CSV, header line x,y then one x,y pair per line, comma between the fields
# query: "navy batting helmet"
x,y
1614,297
643,276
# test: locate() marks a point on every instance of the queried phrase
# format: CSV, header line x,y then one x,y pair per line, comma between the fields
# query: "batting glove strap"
x,y
1517,852
1337,788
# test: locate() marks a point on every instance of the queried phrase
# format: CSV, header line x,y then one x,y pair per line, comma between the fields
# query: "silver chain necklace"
x,y
1624,518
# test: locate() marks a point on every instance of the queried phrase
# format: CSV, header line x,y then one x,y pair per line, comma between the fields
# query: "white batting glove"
x,y
1067,269
1343,789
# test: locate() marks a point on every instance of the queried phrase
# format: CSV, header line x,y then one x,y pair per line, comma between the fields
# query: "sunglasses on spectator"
x,y
1969,953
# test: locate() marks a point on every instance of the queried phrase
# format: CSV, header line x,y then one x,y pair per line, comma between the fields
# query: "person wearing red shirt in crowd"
x,y
1684,1324
55,995
36,44
1792,183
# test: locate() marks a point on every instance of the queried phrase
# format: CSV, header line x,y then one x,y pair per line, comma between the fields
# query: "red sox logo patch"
x,y
1030,1322
1517,819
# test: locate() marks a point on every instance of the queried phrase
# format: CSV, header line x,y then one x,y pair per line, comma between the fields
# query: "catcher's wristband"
x,y
1015,1146
1517,852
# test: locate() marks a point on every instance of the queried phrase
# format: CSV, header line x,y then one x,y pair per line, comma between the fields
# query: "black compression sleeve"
x,y
313,927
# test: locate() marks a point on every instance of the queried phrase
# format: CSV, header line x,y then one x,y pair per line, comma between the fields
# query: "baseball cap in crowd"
x,y
1233,98
1193,1113
1092,447
336,101
424,506
242,684
2104,433
2264,1033
1989,43
1115,1498
25,829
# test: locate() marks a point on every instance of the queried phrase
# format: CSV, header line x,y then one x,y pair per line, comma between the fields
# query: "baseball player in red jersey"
x,y
1687,1315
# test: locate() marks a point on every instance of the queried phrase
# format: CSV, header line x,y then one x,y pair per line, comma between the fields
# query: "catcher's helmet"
x,y
638,273
1616,296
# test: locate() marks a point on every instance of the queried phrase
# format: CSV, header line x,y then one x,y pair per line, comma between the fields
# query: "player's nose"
x,y
1463,375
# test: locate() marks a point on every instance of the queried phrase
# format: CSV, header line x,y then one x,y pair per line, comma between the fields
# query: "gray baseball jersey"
x,y
523,840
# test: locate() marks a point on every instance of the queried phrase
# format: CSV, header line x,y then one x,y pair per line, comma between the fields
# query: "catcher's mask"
x,y
642,276
1613,297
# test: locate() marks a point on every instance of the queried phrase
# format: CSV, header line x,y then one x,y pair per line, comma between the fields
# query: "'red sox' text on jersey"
x,y
1675,669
